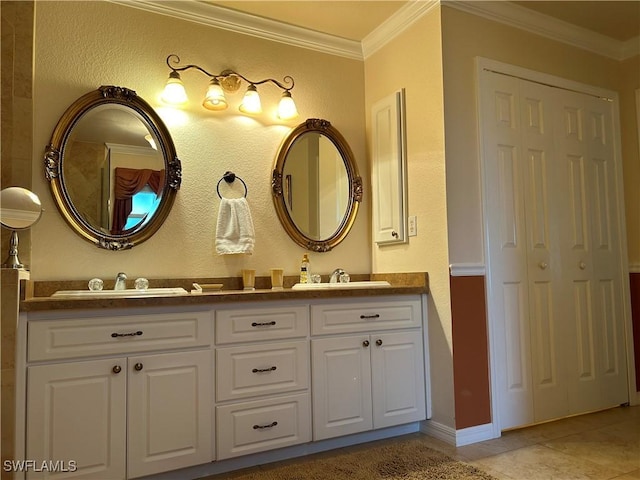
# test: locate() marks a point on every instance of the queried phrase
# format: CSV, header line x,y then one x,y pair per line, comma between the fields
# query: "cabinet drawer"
x,y
252,370
252,427
84,337
248,325
365,317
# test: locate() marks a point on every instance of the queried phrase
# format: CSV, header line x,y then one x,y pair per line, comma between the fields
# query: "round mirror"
x,y
112,168
316,187
19,209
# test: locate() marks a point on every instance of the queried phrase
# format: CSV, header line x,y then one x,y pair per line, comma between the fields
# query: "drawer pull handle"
x,y
262,370
132,334
370,316
378,342
365,344
117,369
263,324
137,367
262,427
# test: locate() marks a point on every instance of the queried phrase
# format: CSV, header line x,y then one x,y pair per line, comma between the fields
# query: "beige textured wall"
x,y
82,45
466,36
413,61
629,83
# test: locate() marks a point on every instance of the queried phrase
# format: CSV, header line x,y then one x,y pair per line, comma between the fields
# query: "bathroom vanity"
x,y
199,384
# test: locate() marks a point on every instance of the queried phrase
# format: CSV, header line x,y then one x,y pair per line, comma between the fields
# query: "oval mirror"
x,y
112,168
316,186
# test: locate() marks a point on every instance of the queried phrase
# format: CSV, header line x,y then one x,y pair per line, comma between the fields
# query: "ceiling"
x,y
354,20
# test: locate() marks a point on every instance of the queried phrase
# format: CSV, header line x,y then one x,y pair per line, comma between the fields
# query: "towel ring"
x,y
230,177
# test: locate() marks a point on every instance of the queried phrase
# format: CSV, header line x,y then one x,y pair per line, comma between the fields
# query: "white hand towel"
x,y
234,231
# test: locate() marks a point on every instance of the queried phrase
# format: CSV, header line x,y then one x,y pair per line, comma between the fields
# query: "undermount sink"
x,y
119,293
325,286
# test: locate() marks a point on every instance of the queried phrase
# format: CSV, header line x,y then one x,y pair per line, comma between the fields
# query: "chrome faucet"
x,y
120,281
335,276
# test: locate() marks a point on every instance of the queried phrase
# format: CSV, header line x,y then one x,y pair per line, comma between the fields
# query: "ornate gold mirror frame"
x,y
56,156
324,128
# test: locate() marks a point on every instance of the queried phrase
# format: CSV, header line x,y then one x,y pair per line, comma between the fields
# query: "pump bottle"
x,y
304,269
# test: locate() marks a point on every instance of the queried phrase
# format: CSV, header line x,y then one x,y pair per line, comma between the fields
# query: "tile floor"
x,y
600,446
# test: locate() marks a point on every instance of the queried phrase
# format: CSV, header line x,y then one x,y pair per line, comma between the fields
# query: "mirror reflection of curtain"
x,y
128,182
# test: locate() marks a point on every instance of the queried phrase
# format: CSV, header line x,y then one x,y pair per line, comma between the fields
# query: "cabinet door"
x,y
389,170
76,412
170,405
341,386
398,384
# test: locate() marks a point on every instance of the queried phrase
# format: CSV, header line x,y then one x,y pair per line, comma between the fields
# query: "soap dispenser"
x,y
304,269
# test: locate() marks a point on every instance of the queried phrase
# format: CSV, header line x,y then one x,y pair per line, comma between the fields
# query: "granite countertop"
x,y
36,295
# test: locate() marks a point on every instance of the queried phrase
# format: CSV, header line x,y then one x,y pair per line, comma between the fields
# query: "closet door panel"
x,y
592,258
508,288
544,181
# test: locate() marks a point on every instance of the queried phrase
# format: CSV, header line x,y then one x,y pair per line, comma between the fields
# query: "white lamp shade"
x,y
287,107
214,99
251,101
174,92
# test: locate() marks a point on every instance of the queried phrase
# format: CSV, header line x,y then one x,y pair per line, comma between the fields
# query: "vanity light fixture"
x,y
228,81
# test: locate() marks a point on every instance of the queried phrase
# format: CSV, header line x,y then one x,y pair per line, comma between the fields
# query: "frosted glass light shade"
x,y
251,101
214,99
174,92
287,107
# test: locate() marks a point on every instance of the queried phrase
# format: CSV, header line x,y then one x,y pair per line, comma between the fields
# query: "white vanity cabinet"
x,y
367,366
122,396
185,391
262,379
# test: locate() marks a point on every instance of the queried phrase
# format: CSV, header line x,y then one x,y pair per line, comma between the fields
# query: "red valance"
x,y
128,182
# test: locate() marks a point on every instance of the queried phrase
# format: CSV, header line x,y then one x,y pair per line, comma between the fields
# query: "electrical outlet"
x,y
413,225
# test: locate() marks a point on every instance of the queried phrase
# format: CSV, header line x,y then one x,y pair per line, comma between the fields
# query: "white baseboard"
x,y
467,436
439,431
459,438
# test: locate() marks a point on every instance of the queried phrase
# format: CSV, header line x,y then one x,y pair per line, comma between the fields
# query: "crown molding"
x,y
246,24
534,22
396,24
502,11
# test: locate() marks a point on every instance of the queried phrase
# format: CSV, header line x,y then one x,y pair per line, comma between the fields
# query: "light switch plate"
x,y
413,225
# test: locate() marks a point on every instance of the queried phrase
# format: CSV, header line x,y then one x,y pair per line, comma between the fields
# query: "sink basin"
x,y
328,286
119,293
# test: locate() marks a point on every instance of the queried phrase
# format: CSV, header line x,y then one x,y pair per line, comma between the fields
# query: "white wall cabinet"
x,y
119,417
389,170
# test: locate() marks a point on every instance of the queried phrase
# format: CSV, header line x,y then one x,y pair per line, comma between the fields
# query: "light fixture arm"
x,y
176,59
230,73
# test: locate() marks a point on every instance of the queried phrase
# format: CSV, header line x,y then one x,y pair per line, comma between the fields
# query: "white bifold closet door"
x,y
553,244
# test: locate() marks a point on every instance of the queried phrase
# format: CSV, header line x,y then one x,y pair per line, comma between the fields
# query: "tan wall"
x,y
629,83
413,61
15,109
466,36
82,45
